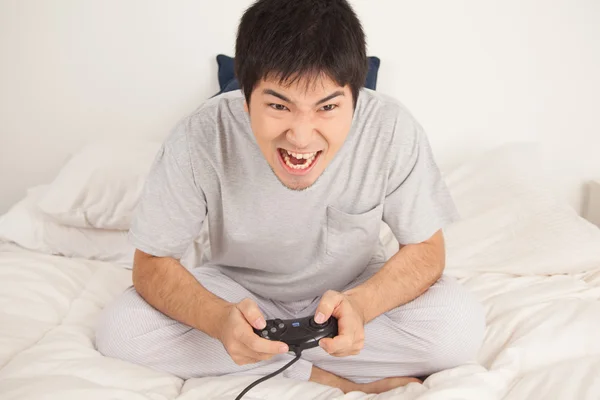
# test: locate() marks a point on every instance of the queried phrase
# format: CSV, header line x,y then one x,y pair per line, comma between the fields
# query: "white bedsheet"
x,y
542,341
533,263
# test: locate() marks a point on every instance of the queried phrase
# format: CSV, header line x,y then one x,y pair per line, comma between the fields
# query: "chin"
x,y
296,184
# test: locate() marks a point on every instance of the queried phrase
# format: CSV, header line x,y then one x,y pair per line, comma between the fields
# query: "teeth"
x,y
299,166
299,156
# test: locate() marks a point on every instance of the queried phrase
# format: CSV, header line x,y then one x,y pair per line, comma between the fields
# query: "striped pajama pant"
x,y
442,328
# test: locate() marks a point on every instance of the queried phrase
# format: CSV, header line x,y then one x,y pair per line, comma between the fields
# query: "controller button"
x,y
314,323
281,325
265,333
273,329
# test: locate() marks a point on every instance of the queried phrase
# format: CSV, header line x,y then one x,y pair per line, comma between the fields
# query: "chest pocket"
x,y
352,234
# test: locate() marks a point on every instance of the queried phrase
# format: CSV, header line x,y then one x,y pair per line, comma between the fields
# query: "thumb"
x,y
252,313
326,306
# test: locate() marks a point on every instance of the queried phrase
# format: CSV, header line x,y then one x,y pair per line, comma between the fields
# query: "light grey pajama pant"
x,y
442,328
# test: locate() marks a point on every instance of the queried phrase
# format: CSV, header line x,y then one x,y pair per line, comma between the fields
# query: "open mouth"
x,y
298,163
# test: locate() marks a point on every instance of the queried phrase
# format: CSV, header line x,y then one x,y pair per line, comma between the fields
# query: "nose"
x,y
301,133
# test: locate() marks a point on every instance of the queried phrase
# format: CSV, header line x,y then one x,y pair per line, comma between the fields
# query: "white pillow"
x,y
512,222
26,226
100,186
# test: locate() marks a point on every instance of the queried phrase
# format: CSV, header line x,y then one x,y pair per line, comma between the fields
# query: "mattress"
x,y
531,260
541,341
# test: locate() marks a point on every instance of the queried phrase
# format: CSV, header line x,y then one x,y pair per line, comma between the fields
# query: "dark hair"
x,y
293,39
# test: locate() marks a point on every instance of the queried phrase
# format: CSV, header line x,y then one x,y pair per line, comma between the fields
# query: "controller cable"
x,y
264,378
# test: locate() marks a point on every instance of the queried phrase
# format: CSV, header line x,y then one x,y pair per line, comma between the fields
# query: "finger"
x,y
261,345
251,313
256,356
259,355
328,303
325,343
346,353
337,344
240,353
264,356
242,360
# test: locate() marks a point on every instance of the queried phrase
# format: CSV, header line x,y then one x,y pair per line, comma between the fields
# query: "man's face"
x,y
300,128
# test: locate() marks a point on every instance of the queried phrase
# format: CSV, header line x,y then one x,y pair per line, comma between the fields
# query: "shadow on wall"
x,y
591,202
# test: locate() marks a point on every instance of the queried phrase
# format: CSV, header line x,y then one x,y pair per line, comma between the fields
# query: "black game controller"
x,y
299,334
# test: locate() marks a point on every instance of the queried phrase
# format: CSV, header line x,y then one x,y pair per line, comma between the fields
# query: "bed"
x,y
530,259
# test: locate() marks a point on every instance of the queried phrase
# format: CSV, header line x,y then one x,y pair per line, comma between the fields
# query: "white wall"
x,y
475,73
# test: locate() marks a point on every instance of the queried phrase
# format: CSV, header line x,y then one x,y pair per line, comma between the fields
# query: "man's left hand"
x,y
351,333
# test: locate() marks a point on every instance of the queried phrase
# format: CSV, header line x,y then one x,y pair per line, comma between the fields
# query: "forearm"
x,y
166,285
406,275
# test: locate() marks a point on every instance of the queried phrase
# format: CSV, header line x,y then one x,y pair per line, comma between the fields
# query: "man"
x,y
294,175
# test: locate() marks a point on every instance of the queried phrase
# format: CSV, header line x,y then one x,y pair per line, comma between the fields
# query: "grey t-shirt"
x,y
282,244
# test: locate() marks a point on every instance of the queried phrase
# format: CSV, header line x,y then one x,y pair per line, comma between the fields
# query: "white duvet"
x,y
533,263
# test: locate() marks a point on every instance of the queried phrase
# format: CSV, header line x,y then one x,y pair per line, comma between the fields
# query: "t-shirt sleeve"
x,y
172,207
418,202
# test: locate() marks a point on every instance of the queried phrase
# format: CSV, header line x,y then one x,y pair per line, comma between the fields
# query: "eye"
x,y
329,107
278,107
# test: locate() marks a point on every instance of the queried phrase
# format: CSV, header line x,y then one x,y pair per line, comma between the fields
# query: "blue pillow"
x,y
228,82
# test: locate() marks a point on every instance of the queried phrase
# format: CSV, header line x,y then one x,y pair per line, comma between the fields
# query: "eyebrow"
x,y
325,99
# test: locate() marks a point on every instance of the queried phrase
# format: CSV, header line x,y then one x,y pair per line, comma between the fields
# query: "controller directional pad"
x,y
274,329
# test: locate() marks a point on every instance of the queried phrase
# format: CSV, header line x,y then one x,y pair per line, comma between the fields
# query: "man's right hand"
x,y
238,338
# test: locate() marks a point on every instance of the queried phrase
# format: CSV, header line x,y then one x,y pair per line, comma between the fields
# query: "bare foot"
x,y
383,385
327,378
